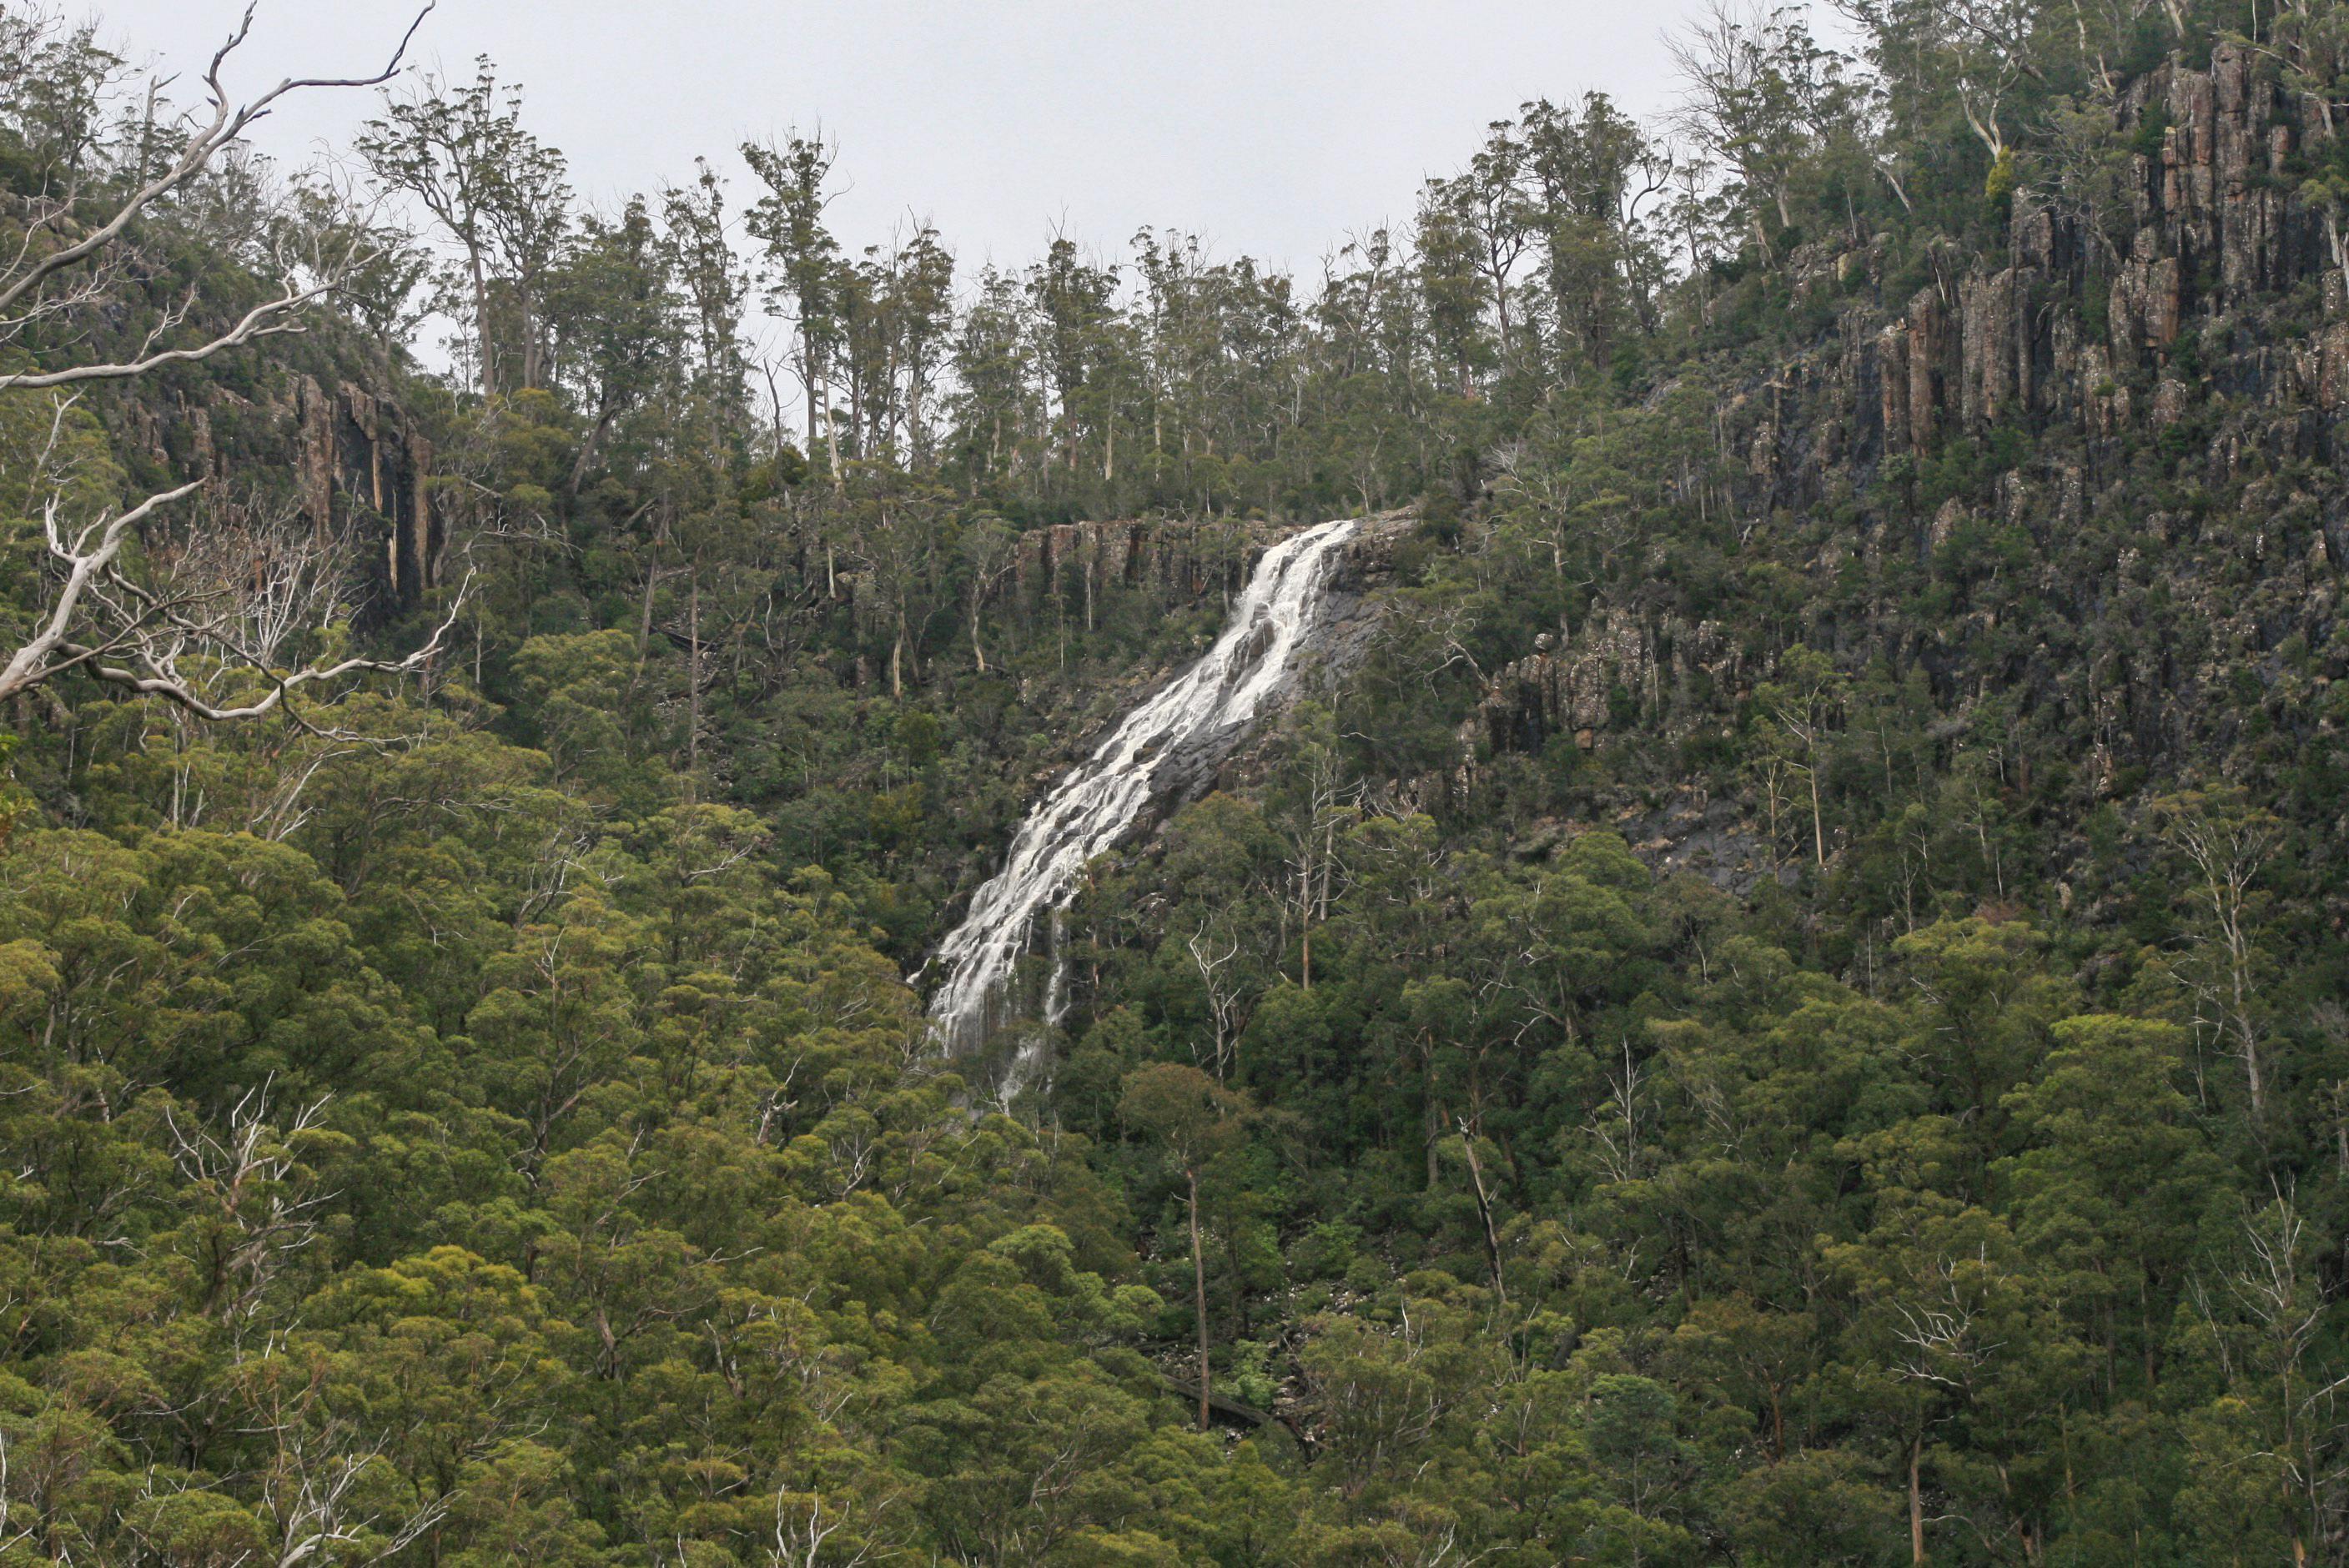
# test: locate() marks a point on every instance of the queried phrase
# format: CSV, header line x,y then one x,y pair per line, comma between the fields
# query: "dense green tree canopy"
x,y
1784,1005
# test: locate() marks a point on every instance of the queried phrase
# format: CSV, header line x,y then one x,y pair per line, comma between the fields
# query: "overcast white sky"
x,y
1272,128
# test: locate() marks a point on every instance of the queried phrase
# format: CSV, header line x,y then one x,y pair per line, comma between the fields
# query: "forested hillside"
x,y
1781,1004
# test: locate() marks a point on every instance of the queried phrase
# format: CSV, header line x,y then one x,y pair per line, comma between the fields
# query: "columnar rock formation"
x,y
1175,560
362,467
360,470
2216,336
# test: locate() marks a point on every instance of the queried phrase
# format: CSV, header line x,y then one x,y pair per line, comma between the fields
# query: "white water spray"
x,y
1167,744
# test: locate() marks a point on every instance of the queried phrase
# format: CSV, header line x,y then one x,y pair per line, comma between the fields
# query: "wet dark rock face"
x,y
346,461
362,467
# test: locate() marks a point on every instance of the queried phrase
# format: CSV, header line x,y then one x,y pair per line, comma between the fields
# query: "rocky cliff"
x,y
1178,562
363,468
350,462
1173,560
2123,467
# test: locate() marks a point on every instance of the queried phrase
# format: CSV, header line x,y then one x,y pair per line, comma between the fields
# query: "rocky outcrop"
x,y
1614,670
2171,518
359,466
1366,567
361,469
1173,562
2021,337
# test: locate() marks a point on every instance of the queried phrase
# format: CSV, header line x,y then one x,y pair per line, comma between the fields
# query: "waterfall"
x,y
1169,744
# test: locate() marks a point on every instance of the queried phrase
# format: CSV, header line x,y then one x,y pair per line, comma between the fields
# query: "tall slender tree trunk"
x,y
1329,862
832,438
2333,237
481,328
645,621
693,680
1916,1500
2240,966
1819,830
1484,1209
1199,1295
807,381
1434,1117
533,366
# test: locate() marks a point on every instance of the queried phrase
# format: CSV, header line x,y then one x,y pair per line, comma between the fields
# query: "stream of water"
x,y
1169,744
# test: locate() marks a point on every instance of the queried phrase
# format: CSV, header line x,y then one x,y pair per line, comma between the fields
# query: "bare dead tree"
x,y
1616,1142
326,1488
1446,627
803,1527
312,1493
1980,49
61,257
992,547
2228,844
2280,1307
1330,803
261,1210
272,574
12,1534
1222,988
109,614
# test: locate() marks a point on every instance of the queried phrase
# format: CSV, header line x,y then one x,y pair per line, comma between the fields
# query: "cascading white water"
x,y
1168,743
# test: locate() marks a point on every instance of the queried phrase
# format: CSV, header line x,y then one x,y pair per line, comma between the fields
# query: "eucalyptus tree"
x,y
1487,219
896,312
498,191
1072,301
712,281
1451,286
1969,55
1595,179
1760,96
801,265
996,405
1193,1119
918,296
1174,318
618,314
